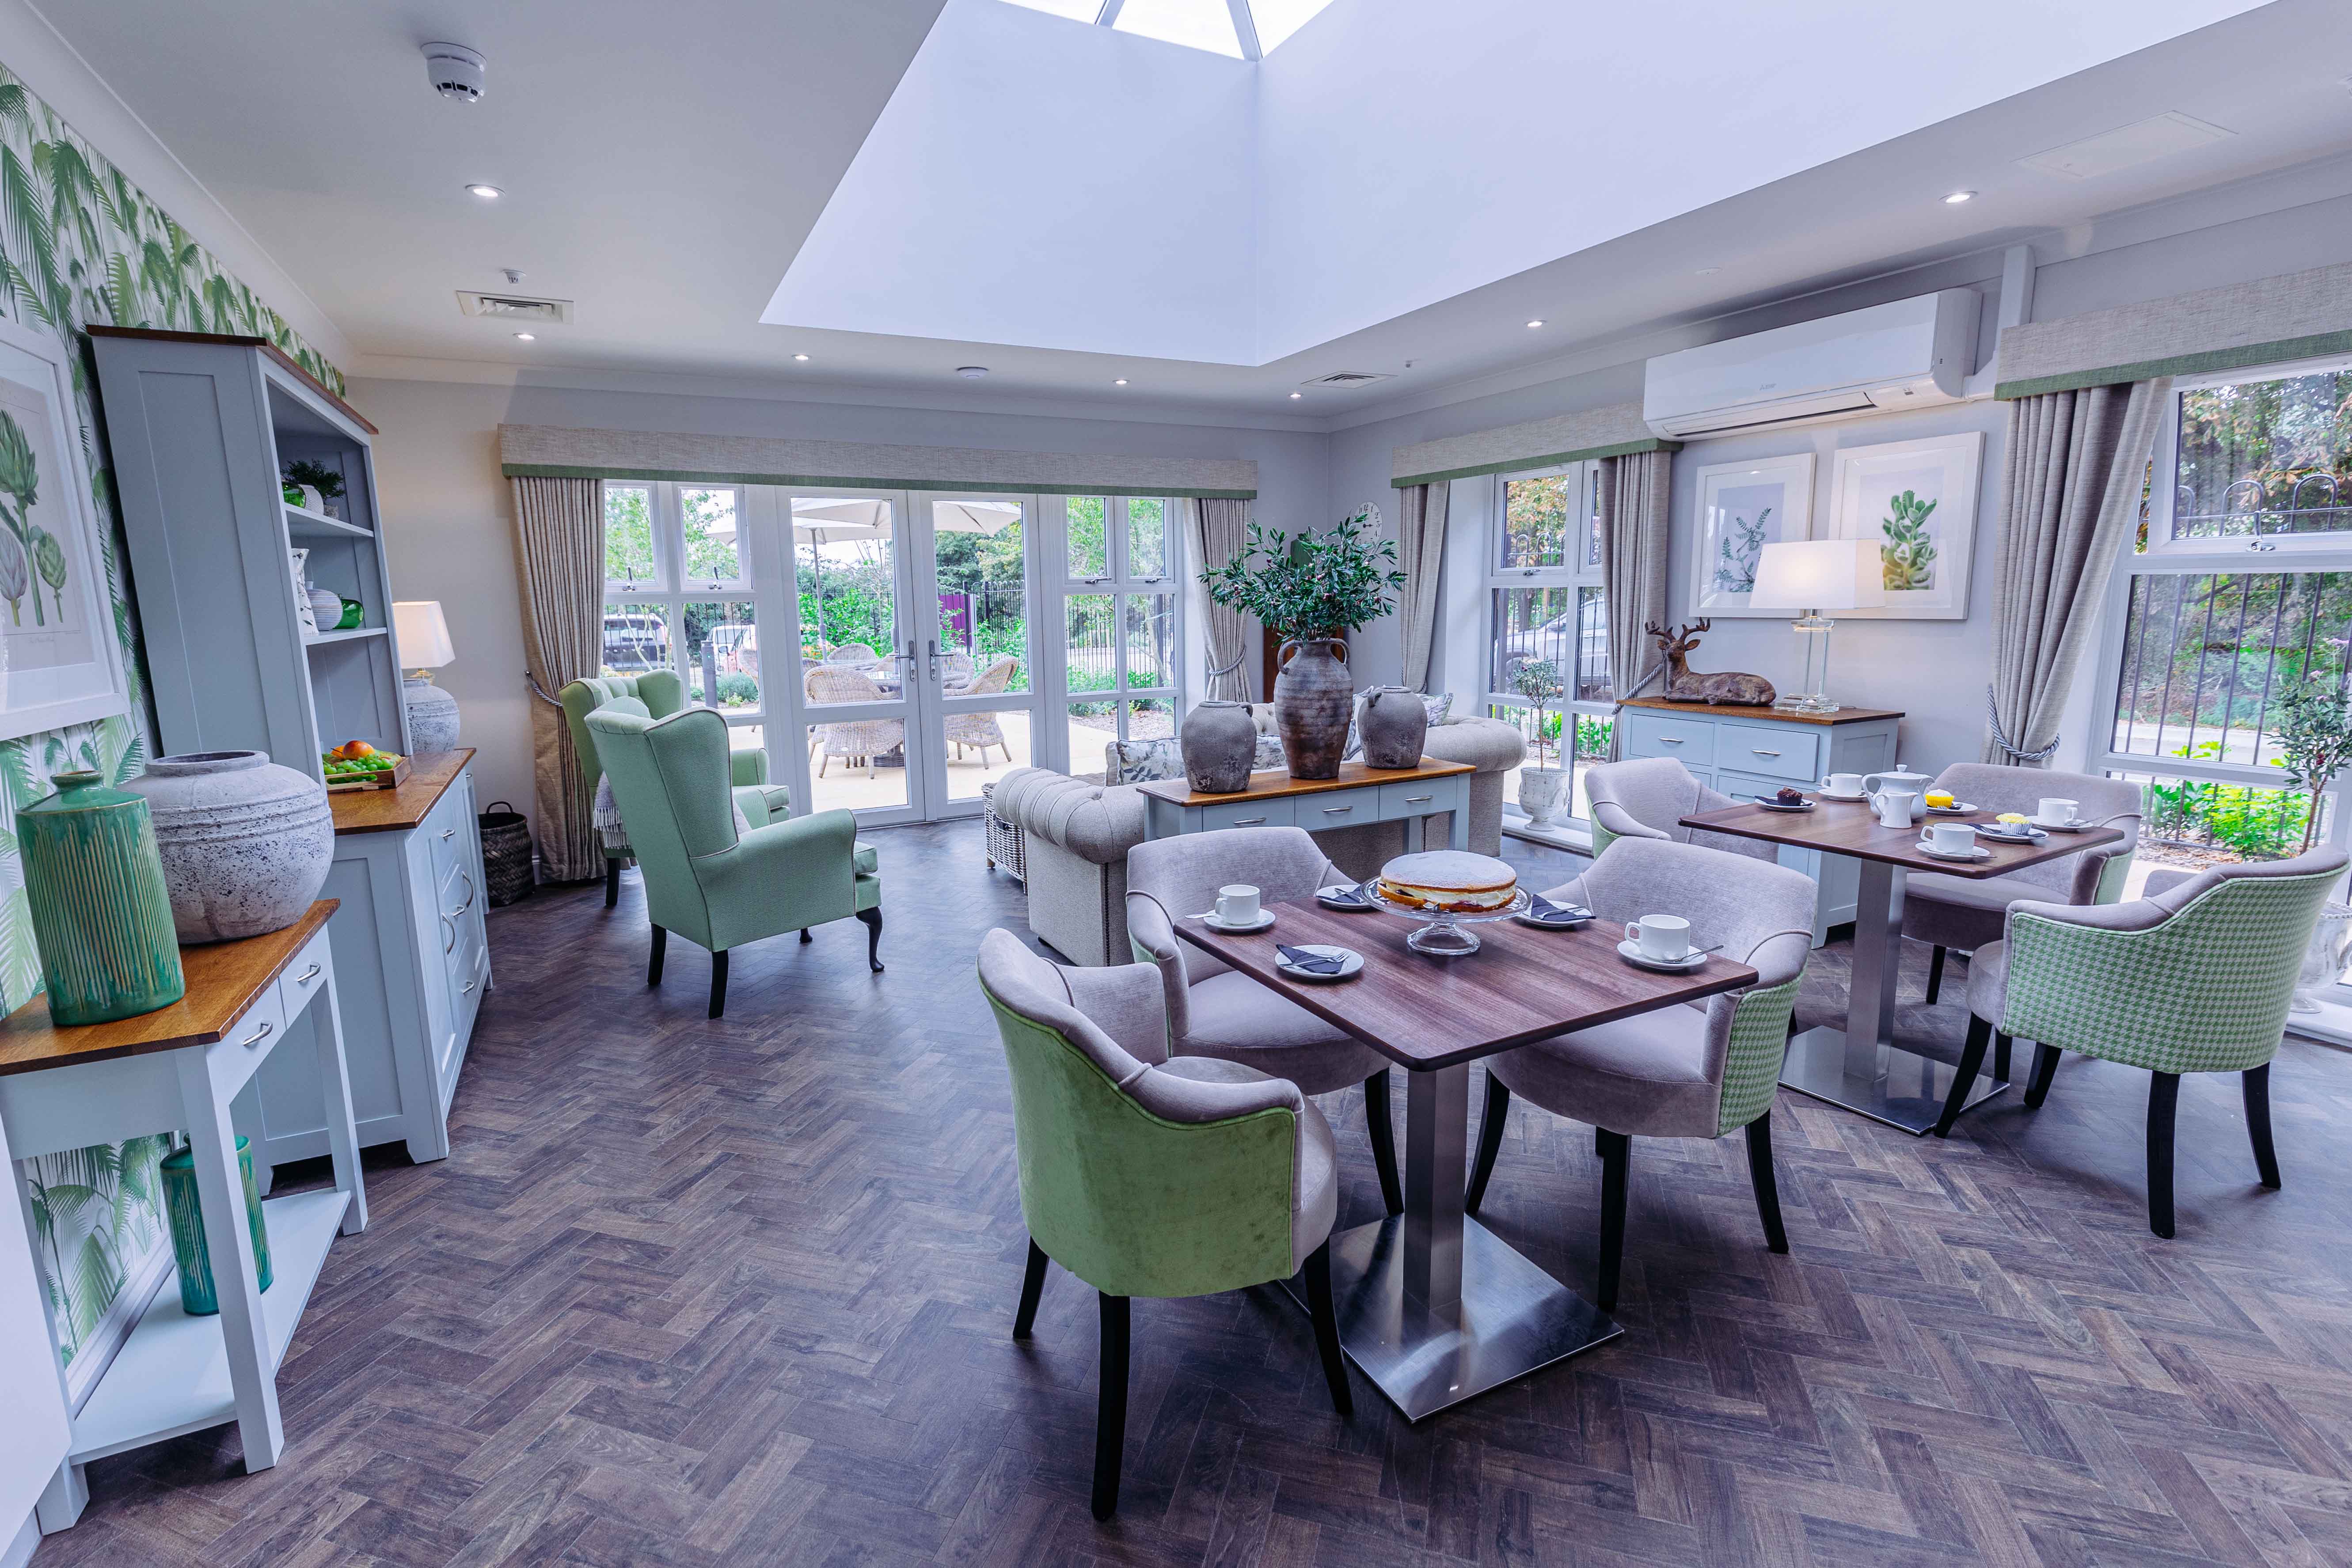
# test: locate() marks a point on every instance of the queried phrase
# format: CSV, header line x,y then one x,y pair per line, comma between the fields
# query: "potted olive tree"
x,y
1542,790
1310,590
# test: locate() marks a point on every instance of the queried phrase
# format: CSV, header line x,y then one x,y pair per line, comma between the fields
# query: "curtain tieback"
x,y
1225,669
537,691
1993,717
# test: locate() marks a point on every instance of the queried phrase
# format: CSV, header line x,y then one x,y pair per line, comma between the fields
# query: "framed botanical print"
x,y
1743,507
1917,501
60,658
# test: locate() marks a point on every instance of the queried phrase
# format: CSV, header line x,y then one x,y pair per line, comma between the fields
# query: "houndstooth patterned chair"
x,y
2196,979
858,741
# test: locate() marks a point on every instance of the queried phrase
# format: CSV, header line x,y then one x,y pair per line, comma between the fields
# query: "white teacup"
x,y
1896,806
2054,812
1952,838
1237,904
1847,784
1662,937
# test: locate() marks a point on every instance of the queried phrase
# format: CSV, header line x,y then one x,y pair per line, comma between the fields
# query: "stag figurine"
x,y
1682,686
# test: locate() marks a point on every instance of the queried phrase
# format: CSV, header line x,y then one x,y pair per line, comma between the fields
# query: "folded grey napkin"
x,y
1543,909
1313,962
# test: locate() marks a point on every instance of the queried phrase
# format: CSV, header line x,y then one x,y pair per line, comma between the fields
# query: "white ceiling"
x,y
665,180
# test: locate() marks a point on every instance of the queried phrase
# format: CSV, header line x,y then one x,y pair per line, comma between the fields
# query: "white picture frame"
x,y
61,658
1738,509
1938,474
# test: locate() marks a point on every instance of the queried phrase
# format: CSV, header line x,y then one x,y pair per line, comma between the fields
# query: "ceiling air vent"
x,y
515,307
1348,378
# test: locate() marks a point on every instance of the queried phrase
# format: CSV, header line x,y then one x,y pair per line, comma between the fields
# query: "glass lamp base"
x,y
1811,703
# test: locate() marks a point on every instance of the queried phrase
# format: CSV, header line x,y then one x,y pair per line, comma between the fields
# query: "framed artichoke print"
x,y
1743,507
60,655
1917,501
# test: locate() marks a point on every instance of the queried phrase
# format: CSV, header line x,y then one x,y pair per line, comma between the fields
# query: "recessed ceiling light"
x,y
1708,271
1119,382
488,192
528,337
1537,322
972,371
1957,197
802,358
1298,394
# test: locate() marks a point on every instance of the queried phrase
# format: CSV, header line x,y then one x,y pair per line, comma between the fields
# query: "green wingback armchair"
x,y
705,877
657,694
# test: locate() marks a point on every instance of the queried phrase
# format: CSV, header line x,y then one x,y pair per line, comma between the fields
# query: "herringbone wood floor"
x,y
740,1292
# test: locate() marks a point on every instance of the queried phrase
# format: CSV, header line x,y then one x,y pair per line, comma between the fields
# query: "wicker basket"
x,y
1006,847
506,853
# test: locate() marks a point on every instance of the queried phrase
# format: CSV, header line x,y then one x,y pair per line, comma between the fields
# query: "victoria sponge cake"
x,y
1449,879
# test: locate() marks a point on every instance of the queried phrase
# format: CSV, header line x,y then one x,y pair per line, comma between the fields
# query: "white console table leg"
x,y
335,1089
253,1372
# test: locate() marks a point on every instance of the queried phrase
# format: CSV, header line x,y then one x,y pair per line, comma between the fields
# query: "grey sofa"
x,y
1079,832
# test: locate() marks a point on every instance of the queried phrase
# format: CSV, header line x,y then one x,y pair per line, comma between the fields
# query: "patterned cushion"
x,y
1142,762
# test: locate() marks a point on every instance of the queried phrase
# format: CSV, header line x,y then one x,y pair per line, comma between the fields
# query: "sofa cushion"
x,y
1094,822
1143,761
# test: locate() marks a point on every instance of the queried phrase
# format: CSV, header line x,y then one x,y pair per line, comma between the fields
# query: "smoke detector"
x,y
516,307
455,71
1348,378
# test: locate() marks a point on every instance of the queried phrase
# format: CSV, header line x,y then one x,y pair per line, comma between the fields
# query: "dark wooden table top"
x,y
1276,782
223,979
1427,1013
430,775
1750,710
1851,827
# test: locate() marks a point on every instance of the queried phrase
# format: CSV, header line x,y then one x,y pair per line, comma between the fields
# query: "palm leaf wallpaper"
x,y
80,244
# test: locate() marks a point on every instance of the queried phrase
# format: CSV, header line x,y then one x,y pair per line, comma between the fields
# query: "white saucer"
x,y
1630,951
2080,825
1571,923
1833,794
2030,836
1264,919
1980,852
1351,962
1776,805
1957,808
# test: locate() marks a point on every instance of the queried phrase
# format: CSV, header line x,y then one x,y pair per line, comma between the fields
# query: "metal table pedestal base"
x,y
1902,1089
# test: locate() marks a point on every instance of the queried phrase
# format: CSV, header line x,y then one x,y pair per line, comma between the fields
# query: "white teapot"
x,y
1894,794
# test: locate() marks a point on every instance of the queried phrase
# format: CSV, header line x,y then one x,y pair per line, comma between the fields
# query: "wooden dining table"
x,y
1433,1305
1863,1066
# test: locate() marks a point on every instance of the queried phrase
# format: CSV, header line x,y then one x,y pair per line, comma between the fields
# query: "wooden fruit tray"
x,y
391,778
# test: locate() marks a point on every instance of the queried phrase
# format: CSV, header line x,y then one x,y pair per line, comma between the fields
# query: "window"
x,y
1120,652
2240,589
1195,23
1546,604
677,595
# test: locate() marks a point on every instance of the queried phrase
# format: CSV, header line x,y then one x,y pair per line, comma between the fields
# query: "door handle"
x,y
933,644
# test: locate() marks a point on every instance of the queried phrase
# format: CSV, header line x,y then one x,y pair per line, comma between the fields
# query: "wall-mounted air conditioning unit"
x,y
1910,354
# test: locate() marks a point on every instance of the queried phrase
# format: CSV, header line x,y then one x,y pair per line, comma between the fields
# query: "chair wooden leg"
x,y
2254,1083
2163,1099
718,984
1383,1134
661,949
1032,1286
804,935
1327,1328
1760,1177
2000,1057
873,919
1616,1155
2045,1067
1490,1140
612,883
1934,976
1972,1054
1110,1413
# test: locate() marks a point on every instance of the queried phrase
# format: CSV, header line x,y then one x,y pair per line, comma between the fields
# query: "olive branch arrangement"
x,y
1310,586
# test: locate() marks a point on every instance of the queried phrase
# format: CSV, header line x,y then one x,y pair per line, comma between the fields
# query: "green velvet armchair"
x,y
656,695
706,877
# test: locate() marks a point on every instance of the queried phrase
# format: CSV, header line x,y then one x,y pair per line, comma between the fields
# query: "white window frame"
x,y
2164,496
672,593
1050,666
1582,570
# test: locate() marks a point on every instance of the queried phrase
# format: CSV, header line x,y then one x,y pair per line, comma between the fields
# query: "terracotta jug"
x,y
1313,699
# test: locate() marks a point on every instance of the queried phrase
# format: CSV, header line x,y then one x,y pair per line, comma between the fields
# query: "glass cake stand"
x,y
1442,934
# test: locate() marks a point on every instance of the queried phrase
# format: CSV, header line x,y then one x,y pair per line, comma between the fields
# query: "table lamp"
x,y
1811,575
423,638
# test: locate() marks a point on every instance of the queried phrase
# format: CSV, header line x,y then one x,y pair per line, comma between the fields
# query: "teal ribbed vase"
x,y
102,914
197,1297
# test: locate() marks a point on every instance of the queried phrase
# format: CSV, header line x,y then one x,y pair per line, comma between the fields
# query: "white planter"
x,y
245,844
2323,960
1543,792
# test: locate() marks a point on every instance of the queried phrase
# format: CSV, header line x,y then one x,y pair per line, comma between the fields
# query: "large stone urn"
x,y
1313,700
1392,725
1220,744
246,843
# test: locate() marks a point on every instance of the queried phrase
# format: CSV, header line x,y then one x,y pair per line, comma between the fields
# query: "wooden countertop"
x,y
1778,715
430,775
223,979
1275,782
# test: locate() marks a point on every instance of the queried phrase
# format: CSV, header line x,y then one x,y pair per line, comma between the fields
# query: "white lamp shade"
x,y
1819,575
422,633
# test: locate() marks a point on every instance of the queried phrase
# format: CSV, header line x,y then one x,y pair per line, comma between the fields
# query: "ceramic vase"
x,y
432,714
1313,700
245,844
198,1296
1392,725
101,913
2323,960
326,609
1543,792
1220,743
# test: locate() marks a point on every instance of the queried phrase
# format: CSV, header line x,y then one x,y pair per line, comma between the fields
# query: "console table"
x,y
1274,799
180,1066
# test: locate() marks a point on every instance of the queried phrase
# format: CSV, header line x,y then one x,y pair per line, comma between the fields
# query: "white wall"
x,y
449,532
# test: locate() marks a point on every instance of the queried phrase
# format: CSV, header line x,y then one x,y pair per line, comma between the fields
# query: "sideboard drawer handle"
x,y
258,1035
1671,739
309,974
1762,753
1418,799
448,832
468,986
1247,821
1336,810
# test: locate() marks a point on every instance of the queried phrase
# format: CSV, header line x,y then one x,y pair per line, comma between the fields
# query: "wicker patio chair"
x,y
980,729
857,740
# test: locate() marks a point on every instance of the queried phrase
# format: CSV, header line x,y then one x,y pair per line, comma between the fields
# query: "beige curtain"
x,y
1219,529
2070,501
560,549
1421,547
1635,524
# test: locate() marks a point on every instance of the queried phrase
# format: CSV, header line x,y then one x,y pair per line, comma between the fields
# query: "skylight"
x,y
1243,29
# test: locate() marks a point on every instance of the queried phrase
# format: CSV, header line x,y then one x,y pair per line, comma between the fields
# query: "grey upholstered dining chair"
x,y
1145,1177
1696,1071
1215,1011
2196,979
1647,797
1954,912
